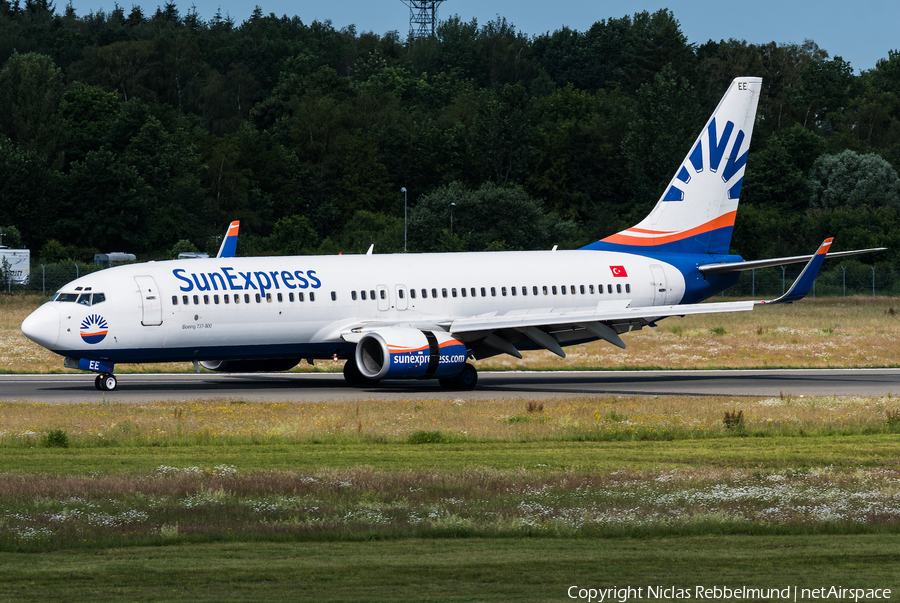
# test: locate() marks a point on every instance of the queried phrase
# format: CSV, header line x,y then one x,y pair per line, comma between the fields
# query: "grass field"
x,y
827,332
491,501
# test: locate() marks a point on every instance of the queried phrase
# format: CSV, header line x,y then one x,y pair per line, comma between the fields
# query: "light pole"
x,y
452,205
403,190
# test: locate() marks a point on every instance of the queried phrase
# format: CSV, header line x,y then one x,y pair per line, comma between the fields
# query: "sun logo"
x,y
94,329
716,146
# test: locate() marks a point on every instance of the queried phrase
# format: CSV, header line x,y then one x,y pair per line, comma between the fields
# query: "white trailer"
x,y
15,265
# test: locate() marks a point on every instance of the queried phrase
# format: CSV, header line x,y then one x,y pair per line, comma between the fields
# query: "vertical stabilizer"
x,y
696,211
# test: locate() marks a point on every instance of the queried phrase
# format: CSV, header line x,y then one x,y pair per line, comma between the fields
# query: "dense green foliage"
x,y
138,132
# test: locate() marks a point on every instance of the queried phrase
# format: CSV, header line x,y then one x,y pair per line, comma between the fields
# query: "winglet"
x,y
804,282
229,245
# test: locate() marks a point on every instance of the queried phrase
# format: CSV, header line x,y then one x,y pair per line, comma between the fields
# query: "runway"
x,y
306,387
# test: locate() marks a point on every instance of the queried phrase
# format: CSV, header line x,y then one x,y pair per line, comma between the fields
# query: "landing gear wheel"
x,y
465,381
107,382
97,383
354,378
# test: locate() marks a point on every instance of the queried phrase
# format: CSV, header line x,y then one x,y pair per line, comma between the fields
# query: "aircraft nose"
x,y
42,326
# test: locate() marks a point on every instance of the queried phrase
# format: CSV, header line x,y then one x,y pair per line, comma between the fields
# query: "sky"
x,y
860,32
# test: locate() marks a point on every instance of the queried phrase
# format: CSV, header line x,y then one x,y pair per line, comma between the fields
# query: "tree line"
x,y
149,132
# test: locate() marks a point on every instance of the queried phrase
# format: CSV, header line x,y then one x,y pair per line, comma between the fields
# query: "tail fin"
x,y
229,244
696,212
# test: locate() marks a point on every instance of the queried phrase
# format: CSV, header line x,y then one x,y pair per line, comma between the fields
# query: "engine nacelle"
x,y
262,365
407,353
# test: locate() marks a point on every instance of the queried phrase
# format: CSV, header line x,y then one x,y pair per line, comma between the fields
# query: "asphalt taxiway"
x,y
313,387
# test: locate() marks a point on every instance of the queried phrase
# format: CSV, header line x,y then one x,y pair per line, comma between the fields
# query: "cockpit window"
x,y
99,298
66,297
84,299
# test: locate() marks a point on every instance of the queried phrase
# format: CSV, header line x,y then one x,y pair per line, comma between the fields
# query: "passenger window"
x,y
554,289
573,289
524,290
463,291
353,295
444,292
562,290
424,293
400,293
362,295
453,291
300,296
280,298
412,293
513,291
591,288
216,299
609,288
237,298
618,288
246,298
196,300
627,288
312,296
483,292
383,294
269,297
371,295
503,291
206,299
291,296
535,290
493,292
174,300
334,296
545,289
472,292
98,298
226,299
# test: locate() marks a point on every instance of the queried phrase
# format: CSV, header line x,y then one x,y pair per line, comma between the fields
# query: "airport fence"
x,y
844,279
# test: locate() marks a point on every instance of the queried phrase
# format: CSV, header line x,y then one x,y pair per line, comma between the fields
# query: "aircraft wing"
x,y
493,333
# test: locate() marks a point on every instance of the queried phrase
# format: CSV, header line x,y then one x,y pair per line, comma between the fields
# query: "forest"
x,y
149,132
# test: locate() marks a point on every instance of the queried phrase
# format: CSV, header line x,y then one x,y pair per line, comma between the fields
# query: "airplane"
x,y
424,316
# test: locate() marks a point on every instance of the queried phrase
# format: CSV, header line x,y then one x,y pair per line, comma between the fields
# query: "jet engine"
x,y
262,365
408,353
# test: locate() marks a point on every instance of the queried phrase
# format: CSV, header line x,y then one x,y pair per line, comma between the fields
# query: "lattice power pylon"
x,y
423,18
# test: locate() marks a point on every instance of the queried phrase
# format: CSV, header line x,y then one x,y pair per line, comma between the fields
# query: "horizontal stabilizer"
x,y
796,259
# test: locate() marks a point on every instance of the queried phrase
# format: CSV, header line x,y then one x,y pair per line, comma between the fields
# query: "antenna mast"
x,y
423,18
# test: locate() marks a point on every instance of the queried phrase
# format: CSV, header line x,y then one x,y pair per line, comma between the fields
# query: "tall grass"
x,y
235,422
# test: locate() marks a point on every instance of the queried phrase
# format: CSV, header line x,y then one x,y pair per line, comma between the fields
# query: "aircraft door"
x,y
401,293
660,289
151,302
384,298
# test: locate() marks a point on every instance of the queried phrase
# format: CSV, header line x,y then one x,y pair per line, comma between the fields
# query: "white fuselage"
x,y
300,305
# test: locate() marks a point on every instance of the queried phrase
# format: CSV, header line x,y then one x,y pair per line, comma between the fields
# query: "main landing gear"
x,y
105,382
465,381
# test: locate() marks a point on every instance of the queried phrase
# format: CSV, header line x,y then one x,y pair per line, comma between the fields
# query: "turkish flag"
x,y
618,270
